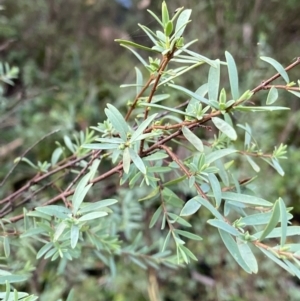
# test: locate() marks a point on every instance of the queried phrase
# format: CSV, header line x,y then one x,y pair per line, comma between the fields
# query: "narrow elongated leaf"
x,y
233,76
295,93
59,231
136,54
182,21
192,138
210,207
277,66
233,249
151,35
194,95
216,188
44,250
224,226
246,199
139,80
132,44
273,221
188,234
117,120
92,215
272,96
100,146
155,17
218,154
277,166
283,221
153,105
247,255
97,205
190,207
13,278
151,195
74,235
260,109
277,232
155,216
126,160
224,127
137,161
260,218
214,81
142,127
276,260
253,164
201,58
6,246
79,196
54,210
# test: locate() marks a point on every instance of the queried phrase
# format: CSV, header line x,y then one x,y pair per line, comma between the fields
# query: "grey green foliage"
x,y
137,148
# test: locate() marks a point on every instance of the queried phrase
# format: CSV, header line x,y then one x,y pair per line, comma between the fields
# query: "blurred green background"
x,y
70,67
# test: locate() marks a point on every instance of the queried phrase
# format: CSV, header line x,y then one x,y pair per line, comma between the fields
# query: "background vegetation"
x,y
70,68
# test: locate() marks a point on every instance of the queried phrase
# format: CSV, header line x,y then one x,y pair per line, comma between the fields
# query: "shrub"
x,y
135,185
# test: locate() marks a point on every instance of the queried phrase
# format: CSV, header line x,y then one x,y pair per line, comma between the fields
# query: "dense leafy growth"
x,y
134,186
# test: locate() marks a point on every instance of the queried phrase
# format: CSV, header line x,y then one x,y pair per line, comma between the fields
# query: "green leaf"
x,y
126,160
153,105
246,199
277,166
233,249
151,195
117,120
218,154
100,146
96,206
253,164
182,21
194,95
275,259
164,13
259,218
277,66
223,226
155,17
139,80
233,76
295,93
179,220
214,81
216,188
277,232
132,44
56,155
6,246
210,207
92,215
13,278
190,207
74,235
137,161
79,195
259,109
192,138
54,210
69,144
188,234
247,255
272,96
224,127
155,216
59,230
283,221
139,131
44,250
136,54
